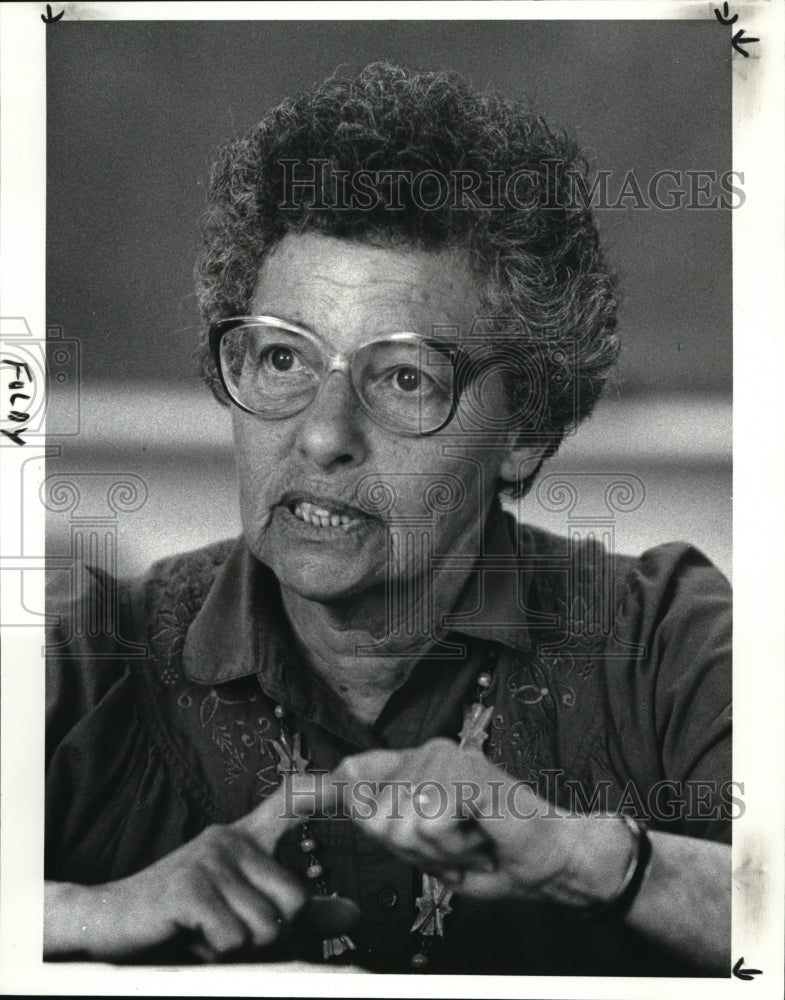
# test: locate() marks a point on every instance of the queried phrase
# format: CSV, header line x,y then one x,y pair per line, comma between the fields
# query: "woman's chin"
x,y
318,589
325,579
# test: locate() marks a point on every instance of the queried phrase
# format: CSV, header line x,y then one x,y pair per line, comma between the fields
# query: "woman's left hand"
x,y
454,814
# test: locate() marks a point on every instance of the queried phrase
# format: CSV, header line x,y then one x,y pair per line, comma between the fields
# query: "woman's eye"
x,y
408,379
281,358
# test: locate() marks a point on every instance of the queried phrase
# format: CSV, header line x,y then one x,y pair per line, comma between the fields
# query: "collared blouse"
x,y
611,693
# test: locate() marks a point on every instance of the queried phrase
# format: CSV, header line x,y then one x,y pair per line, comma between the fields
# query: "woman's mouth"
x,y
322,516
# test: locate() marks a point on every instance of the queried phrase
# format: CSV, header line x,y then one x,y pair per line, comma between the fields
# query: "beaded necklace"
x,y
434,903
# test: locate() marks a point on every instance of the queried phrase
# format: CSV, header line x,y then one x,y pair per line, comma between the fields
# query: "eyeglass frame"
x,y
342,362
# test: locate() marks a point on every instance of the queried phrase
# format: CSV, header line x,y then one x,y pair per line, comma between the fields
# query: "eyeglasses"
x,y
406,383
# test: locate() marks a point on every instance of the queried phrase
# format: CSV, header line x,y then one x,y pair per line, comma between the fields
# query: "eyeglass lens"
x,y
407,385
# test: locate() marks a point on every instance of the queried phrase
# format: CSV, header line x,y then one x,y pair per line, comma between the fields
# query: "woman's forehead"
x,y
349,289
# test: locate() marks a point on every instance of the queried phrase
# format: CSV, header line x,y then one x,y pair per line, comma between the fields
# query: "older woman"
x,y
500,750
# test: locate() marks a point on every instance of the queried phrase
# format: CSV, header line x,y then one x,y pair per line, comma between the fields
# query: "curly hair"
x,y
536,253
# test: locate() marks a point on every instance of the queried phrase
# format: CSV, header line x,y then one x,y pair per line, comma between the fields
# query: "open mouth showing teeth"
x,y
321,516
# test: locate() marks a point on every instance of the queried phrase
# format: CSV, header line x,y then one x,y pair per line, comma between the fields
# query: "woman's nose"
x,y
330,431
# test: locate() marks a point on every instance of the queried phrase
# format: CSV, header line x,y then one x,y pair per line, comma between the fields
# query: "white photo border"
x,y
759,506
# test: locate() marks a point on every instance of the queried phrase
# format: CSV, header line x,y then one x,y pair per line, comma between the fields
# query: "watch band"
x,y
618,906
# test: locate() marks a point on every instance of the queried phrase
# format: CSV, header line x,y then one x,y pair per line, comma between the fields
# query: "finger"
x,y
457,838
298,798
259,915
481,885
429,826
265,878
399,837
199,948
453,878
220,929
398,828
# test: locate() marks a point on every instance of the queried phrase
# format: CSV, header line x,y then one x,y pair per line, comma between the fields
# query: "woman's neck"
x,y
363,650
356,649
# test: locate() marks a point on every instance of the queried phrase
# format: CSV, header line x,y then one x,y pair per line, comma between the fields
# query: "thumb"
x,y
299,798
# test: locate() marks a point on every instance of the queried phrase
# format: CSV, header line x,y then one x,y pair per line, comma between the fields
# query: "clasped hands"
x,y
455,815
223,896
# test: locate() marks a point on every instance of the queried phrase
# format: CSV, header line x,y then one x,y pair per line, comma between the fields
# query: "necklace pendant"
x,y
333,947
290,758
433,906
475,726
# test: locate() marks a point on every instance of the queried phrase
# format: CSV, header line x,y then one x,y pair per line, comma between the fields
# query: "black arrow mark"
x,y
50,18
740,973
723,17
737,41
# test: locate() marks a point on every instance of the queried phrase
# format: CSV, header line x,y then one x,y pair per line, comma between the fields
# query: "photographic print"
x,y
371,380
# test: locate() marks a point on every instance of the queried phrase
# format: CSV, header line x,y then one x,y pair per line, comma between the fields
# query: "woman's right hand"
x,y
220,896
